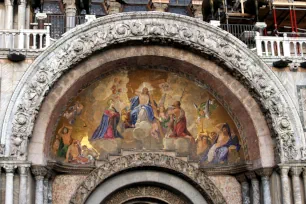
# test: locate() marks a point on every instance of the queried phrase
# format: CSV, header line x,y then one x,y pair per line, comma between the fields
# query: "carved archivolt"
x,y
162,28
108,169
128,194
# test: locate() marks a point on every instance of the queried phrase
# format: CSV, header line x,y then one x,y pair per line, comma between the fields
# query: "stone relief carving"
x,y
161,28
128,194
97,176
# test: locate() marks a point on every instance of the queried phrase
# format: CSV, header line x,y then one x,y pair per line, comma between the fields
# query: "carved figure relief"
x,y
146,110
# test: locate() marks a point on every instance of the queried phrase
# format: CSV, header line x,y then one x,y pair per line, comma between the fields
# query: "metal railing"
x,y
62,23
243,32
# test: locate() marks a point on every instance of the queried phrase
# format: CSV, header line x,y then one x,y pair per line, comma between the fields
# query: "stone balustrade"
x,y
280,46
25,39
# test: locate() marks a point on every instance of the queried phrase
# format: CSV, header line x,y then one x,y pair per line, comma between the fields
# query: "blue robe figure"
x,y
136,107
108,126
221,153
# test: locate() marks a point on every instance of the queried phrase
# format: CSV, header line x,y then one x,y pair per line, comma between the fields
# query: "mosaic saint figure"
x,y
64,133
178,122
109,122
141,107
74,154
224,142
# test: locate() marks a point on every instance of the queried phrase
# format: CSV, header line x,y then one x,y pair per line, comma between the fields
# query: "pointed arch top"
x,y
159,28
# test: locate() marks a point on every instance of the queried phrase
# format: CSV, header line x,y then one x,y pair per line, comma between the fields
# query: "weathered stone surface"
x,y
160,28
108,169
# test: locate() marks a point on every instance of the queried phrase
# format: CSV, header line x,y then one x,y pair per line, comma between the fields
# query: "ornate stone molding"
x,y
39,172
23,170
146,191
264,172
9,168
161,28
108,169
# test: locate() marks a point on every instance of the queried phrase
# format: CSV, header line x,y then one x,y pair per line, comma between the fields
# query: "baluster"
x,y
301,49
13,41
266,47
21,40
278,48
28,41
34,41
272,48
40,41
1,41
295,49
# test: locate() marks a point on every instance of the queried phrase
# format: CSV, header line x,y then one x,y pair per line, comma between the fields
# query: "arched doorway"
x,y
131,177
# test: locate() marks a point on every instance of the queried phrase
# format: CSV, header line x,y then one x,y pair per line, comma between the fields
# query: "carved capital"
x,y
9,168
39,172
304,172
251,175
143,28
241,178
23,170
296,171
264,172
283,170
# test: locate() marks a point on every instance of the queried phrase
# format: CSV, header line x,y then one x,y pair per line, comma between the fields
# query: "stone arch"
x,y
157,28
146,159
255,134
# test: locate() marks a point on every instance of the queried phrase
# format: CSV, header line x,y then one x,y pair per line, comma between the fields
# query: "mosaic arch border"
x,y
147,159
160,28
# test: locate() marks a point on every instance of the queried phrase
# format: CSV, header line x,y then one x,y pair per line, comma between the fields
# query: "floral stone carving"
x,y
161,28
108,169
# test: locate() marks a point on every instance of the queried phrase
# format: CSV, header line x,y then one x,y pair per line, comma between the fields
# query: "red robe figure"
x,y
178,122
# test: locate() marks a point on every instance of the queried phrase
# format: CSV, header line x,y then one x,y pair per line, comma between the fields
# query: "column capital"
x,y
9,168
23,170
296,171
283,170
251,175
241,178
264,172
8,2
19,2
39,172
304,172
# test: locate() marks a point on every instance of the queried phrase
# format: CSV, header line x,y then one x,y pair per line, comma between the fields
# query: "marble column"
x,y
70,10
295,173
9,186
21,22
48,186
265,174
284,170
39,172
9,14
21,14
245,188
23,174
304,182
255,197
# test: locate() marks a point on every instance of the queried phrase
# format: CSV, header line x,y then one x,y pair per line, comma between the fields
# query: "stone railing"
x,y
25,39
272,46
